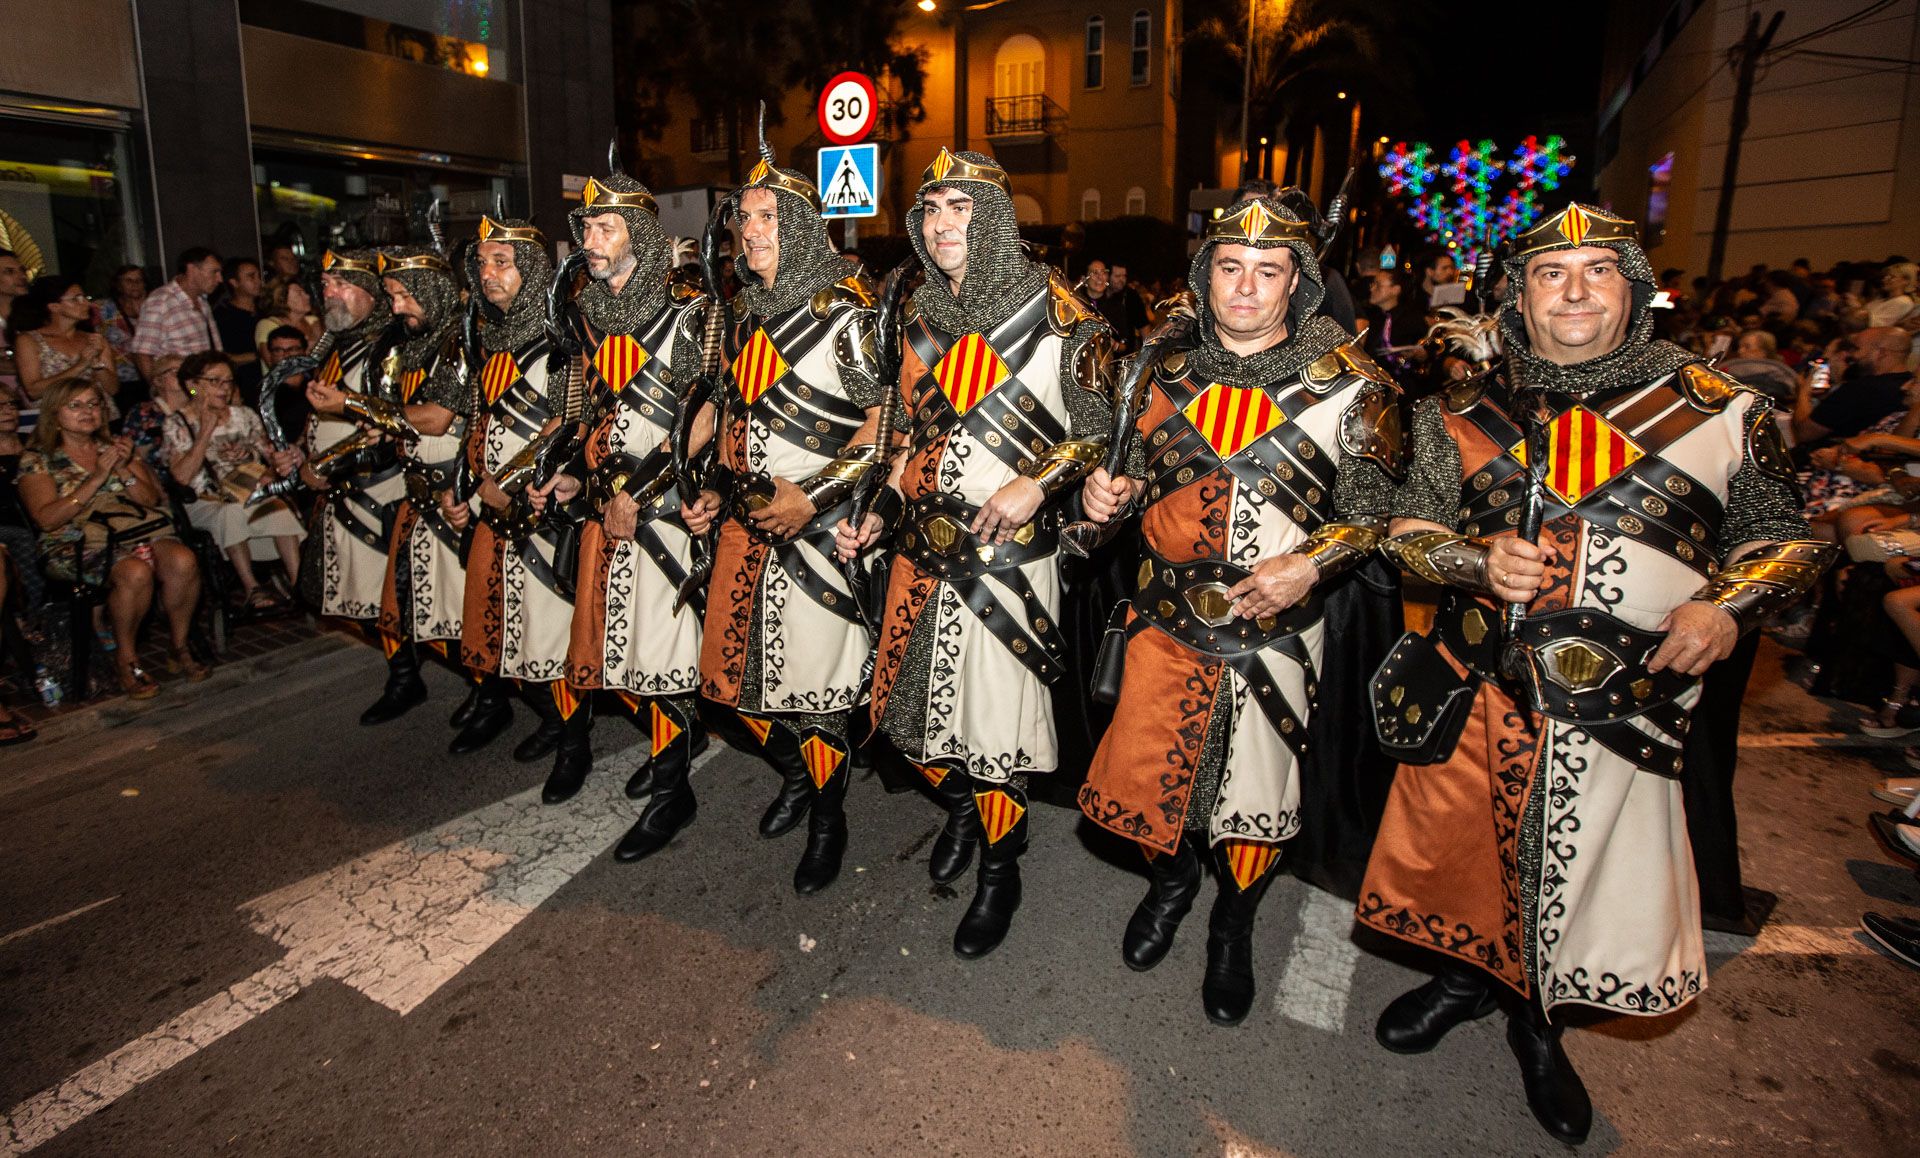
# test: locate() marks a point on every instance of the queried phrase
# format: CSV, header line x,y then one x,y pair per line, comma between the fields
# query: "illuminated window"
x,y
1090,205
1096,51
1136,202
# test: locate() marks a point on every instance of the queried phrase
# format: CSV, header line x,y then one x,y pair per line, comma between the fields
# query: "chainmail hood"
x,y
999,276
1305,341
808,261
1637,359
526,315
645,293
438,296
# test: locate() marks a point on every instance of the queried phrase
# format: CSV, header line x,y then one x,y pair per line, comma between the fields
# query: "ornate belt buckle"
x,y
943,533
1210,603
1577,665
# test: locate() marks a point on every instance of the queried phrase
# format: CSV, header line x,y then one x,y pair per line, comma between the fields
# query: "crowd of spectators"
x,y
127,426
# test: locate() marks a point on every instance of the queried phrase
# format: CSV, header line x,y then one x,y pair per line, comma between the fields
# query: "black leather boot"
x,y
1555,1093
996,896
405,689
1226,993
829,768
463,715
541,742
662,728
953,848
1415,1021
671,806
1174,882
573,759
790,805
492,714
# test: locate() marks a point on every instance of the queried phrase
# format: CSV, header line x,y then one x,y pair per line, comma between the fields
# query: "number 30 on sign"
x,y
847,108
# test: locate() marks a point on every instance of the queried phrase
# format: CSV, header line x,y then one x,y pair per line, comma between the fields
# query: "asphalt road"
x,y
307,937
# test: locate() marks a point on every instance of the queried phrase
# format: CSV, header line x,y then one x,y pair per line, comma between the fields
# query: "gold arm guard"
x,y
836,480
1442,557
380,413
1336,547
1064,463
1768,581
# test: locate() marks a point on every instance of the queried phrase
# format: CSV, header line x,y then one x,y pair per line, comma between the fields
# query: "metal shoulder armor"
x,y
1093,363
855,291
1344,361
1766,446
856,346
1374,428
1708,389
1768,581
1066,309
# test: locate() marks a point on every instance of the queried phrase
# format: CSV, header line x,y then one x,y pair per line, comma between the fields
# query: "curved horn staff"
x,y
1334,217
766,150
1081,538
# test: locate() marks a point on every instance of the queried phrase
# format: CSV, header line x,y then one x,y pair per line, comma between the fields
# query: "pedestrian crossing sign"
x,y
849,180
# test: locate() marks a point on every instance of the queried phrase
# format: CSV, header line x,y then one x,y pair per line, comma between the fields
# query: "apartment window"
x,y
1096,51
1142,47
1136,202
1090,205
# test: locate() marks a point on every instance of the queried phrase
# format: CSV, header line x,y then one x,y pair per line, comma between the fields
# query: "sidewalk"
x,y
247,645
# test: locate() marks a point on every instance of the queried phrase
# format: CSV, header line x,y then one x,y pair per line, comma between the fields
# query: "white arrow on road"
x,y
396,924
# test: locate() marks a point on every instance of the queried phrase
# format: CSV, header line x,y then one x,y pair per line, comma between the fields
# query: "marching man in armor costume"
x,y
1264,456
785,645
423,407
1004,380
1535,837
518,613
356,468
639,332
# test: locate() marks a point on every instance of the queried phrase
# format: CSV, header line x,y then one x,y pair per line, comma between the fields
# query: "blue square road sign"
x,y
849,178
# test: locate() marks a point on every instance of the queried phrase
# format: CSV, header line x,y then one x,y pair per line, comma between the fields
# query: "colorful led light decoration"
x,y
1474,192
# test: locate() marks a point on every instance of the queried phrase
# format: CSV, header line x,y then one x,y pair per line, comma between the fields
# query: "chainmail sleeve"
x,y
1089,411
1362,489
1432,487
444,385
1763,498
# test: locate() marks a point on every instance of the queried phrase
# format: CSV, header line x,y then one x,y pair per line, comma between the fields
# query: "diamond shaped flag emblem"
x,y
1249,860
999,812
822,759
1576,225
1583,452
969,372
619,359
1230,418
758,366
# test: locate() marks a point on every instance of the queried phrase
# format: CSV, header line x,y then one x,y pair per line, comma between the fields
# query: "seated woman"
x,y
102,518
146,421
207,442
53,340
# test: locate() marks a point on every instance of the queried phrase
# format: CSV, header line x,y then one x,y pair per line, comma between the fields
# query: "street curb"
x,y
119,711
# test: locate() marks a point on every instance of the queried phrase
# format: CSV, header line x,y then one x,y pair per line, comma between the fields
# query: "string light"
x,y
1474,192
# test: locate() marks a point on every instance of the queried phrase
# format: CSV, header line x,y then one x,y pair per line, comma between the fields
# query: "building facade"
x,y
133,129
1075,97
1830,162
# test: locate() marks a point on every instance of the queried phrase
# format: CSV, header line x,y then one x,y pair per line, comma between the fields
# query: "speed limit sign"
x,y
847,108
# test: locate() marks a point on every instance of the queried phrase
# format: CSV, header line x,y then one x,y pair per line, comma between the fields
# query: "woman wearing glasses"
x,y
103,519
218,448
53,342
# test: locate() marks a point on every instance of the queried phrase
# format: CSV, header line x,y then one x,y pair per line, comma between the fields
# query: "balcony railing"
x,y
1023,116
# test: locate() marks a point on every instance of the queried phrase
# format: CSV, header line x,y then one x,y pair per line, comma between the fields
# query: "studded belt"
x,y
1585,667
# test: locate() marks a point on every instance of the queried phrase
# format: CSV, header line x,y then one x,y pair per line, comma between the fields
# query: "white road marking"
x,y
395,924
1794,941
50,922
1319,972
1813,740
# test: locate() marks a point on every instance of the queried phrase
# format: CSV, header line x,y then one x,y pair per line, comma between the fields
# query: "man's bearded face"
x,y
608,244
406,307
347,304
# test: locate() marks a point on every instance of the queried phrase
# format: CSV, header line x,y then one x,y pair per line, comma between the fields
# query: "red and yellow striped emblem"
x,y
500,373
999,812
1583,452
760,726
935,773
410,382
331,372
566,699
1230,418
619,359
822,759
389,644
758,366
631,701
1575,225
1249,860
969,372
665,730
